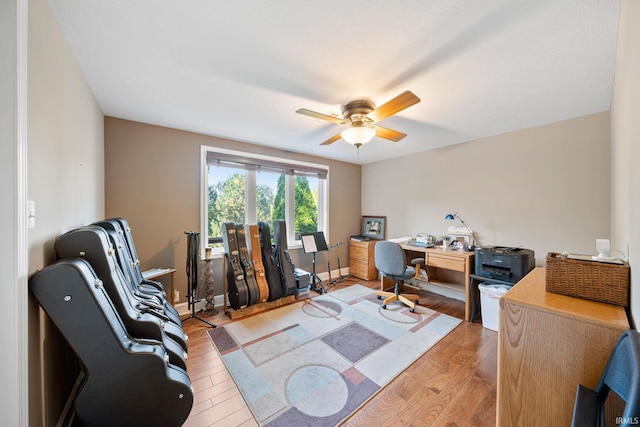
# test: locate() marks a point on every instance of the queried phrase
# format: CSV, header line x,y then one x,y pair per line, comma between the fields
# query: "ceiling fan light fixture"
x,y
358,135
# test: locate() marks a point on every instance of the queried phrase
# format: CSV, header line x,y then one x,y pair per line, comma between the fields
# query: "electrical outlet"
x,y
176,297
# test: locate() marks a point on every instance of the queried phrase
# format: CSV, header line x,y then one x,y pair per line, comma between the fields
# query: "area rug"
x,y
316,361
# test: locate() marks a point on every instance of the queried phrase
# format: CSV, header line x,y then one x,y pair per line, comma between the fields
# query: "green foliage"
x,y
226,202
306,208
212,212
279,200
264,204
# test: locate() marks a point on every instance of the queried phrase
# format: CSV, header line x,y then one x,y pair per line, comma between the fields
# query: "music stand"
x,y
313,243
340,278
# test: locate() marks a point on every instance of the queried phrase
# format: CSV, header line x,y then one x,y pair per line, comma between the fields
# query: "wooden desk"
x,y
447,268
154,273
547,345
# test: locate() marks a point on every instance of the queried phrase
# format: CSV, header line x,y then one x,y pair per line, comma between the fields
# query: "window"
x,y
247,188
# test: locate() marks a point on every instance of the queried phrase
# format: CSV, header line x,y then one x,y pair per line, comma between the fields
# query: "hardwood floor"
x,y
453,384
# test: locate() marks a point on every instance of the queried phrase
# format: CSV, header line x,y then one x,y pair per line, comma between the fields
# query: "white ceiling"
x,y
240,69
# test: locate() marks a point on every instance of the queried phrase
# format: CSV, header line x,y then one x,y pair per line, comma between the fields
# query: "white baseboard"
x,y
334,274
184,309
218,300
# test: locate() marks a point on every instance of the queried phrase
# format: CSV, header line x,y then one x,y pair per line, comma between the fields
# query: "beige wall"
x,y
544,188
625,146
66,181
153,180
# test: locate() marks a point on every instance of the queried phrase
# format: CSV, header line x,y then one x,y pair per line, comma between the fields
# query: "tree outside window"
x,y
227,199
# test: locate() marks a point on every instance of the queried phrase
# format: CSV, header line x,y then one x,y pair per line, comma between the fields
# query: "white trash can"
x,y
490,303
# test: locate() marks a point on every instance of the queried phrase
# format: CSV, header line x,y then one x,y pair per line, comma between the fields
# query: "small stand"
x,y
193,249
313,243
208,282
340,278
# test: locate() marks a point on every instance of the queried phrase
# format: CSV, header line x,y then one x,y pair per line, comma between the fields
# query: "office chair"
x,y
391,261
622,375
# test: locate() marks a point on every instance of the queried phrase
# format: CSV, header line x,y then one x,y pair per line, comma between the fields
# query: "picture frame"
x,y
374,227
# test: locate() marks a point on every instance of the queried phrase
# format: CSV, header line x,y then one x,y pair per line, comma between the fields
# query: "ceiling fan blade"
x,y
331,140
320,116
404,100
389,134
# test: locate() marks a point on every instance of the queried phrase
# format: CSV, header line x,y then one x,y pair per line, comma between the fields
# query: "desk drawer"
x,y
446,262
361,259
361,250
363,270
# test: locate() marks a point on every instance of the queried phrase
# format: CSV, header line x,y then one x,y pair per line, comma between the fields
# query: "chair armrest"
x,y
418,263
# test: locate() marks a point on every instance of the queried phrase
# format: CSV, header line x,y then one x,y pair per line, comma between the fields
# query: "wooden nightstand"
x,y
361,259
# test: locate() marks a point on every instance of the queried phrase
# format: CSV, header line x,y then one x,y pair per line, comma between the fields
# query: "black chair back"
x,y
622,375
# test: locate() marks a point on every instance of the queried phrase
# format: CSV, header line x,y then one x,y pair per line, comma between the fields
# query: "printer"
x,y
504,263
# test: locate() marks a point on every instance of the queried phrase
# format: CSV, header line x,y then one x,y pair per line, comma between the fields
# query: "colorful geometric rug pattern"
x,y
316,361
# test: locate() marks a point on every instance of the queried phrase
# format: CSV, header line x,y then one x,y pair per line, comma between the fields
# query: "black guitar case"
x,y
283,258
135,262
156,299
124,259
130,273
271,269
247,266
125,382
131,247
121,226
236,285
141,318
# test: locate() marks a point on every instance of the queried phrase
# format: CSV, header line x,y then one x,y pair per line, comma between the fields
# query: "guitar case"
x,y
125,261
247,266
131,262
155,300
141,318
131,247
271,269
258,267
236,286
134,262
125,381
284,260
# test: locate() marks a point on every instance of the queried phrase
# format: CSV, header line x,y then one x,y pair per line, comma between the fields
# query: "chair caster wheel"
x,y
384,306
411,310
379,296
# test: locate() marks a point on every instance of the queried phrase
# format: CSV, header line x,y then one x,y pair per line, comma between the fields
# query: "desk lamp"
x,y
453,216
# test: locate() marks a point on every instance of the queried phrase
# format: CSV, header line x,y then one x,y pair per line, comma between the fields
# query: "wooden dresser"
x,y
361,259
547,345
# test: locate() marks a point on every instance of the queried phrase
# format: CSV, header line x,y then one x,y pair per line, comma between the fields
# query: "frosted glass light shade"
x,y
358,135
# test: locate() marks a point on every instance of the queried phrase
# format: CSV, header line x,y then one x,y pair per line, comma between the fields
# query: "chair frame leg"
x,y
409,300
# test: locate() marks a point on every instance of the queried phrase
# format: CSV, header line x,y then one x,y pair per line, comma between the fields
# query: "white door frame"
x,y
14,396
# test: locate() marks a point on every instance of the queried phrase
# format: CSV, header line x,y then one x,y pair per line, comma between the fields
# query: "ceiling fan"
x,y
361,115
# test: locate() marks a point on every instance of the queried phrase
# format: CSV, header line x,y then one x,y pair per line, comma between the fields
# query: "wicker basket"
x,y
598,281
